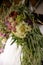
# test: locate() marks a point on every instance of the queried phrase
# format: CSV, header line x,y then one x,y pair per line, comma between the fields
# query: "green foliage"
x,y
31,47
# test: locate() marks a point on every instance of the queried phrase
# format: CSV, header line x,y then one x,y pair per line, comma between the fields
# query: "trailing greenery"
x,y
31,47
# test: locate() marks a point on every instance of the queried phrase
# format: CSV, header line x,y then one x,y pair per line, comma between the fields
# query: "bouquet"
x,y
22,26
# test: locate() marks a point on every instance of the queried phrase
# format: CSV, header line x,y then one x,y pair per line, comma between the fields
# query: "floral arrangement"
x,y
20,23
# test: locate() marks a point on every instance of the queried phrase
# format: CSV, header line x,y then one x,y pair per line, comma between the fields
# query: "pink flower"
x,y
1,50
14,29
1,34
8,24
9,27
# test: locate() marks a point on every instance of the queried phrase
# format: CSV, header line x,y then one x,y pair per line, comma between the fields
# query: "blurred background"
x,y
37,4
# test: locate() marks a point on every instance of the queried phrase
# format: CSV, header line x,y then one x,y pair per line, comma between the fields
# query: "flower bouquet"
x,y
24,30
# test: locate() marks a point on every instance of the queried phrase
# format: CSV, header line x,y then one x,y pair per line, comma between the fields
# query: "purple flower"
x,y
29,21
7,23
